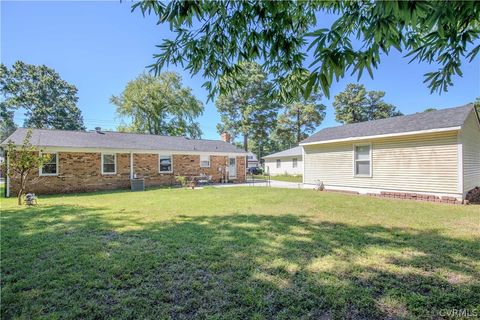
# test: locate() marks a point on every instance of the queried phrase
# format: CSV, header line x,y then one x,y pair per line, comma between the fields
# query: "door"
x,y
232,168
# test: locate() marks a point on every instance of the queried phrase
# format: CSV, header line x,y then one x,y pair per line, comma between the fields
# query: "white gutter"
x,y
116,150
388,135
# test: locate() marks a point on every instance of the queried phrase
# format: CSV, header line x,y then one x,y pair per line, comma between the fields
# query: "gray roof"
x,y
119,140
436,119
295,151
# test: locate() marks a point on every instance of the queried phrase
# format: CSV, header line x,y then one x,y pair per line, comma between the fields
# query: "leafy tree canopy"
x,y
159,105
356,104
49,101
248,110
23,163
7,125
300,118
213,36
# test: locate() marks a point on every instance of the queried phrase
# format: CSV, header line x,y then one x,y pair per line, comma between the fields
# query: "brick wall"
x,y
80,172
241,169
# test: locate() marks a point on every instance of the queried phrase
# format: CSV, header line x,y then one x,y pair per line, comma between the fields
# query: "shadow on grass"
x,y
73,262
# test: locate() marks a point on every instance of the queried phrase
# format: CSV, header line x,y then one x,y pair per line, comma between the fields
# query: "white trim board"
x,y
160,155
41,174
370,155
388,135
114,160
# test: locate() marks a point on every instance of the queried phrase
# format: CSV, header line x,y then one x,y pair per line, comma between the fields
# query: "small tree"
x,y
22,161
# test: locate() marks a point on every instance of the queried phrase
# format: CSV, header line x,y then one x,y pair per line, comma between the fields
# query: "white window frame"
x,y
278,163
209,162
294,162
114,162
355,175
40,170
171,162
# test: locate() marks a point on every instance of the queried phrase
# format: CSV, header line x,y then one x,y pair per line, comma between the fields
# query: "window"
x,y
362,161
205,161
165,163
50,167
294,162
279,163
250,157
109,163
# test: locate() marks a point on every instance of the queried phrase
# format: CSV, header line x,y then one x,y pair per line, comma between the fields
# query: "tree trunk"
x,y
298,126
23,180
245,141
19,197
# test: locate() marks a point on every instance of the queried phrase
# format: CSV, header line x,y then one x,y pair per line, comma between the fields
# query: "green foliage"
x,y
7,124
477,105
356,104
49,101
159,105
213,36
300,118
248,109
23,161
429,109
182,180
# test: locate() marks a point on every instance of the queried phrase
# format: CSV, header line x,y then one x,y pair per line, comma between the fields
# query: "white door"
x,y
232,168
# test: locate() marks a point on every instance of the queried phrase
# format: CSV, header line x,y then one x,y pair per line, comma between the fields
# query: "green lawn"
x,y
237,253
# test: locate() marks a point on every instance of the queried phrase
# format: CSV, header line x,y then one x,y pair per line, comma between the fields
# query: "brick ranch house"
x,y
101,160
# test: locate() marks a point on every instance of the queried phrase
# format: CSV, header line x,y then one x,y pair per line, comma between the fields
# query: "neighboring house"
x,y
252,160
99,160
285,162
435,153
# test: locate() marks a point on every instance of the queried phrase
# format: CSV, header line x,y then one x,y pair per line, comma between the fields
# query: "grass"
x,y
284,177
236,253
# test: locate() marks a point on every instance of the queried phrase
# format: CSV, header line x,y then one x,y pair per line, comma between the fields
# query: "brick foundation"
x,y
416,196
81,172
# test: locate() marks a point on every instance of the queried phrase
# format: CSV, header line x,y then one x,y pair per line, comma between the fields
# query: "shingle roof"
x,y
119,140
295,151
436,119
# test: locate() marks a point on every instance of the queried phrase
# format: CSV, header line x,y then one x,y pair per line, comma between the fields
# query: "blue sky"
x,y
100,46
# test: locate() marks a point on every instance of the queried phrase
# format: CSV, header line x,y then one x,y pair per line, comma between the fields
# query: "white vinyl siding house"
x,y
288,162
284,165
415,163
470,139
442,161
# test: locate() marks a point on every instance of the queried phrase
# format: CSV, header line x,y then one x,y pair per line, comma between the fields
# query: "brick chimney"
x,y
226,137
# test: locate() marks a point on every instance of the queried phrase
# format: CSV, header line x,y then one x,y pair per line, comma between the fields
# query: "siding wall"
x,y
470,138
286,166
426,163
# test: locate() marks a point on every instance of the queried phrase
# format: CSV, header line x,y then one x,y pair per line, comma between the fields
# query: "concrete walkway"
x,y
273,184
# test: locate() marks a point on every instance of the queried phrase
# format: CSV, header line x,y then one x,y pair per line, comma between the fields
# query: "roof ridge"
x,y
120,132
403,116
426,120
